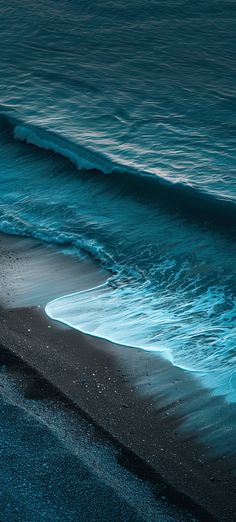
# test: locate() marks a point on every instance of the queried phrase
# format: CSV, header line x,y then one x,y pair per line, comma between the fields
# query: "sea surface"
x,y
117,142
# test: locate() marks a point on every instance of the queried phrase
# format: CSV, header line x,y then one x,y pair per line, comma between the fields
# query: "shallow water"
x,y
131,113
203,415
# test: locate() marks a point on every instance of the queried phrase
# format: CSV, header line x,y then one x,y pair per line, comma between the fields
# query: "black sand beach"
x,y
136,398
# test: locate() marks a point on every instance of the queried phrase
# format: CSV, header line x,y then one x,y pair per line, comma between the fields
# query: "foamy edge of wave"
x,y
49,311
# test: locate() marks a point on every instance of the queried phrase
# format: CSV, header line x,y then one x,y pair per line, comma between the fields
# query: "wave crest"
x,y
177,196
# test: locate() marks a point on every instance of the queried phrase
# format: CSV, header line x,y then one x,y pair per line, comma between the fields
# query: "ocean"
x,y
117,142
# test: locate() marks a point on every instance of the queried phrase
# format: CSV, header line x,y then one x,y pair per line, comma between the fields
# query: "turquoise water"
x,y
117,142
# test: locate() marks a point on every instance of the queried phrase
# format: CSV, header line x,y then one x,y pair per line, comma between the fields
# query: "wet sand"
x,y
144,404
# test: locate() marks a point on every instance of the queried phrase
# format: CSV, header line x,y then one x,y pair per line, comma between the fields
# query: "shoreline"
x,y
102,381
120,414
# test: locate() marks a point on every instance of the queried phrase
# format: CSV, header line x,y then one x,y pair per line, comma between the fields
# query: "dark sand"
x,y
57,466
106,382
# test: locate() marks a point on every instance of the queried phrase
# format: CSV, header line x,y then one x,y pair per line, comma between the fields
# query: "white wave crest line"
x,y
87,332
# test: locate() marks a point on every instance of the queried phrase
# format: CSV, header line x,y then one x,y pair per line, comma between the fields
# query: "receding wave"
x,y
13,225
178,196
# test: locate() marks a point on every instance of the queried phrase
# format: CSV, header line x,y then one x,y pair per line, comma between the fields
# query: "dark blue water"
x,y
118,142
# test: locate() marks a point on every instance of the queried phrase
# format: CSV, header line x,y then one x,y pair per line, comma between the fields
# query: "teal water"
x,y
117,142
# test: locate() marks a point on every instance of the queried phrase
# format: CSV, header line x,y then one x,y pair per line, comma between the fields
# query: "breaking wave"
x,y
159,295
185,198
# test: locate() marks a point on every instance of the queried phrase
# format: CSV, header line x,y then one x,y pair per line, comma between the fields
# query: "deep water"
x,y
118,142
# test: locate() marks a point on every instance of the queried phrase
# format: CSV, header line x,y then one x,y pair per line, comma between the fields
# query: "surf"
x,y
187,199
159,295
